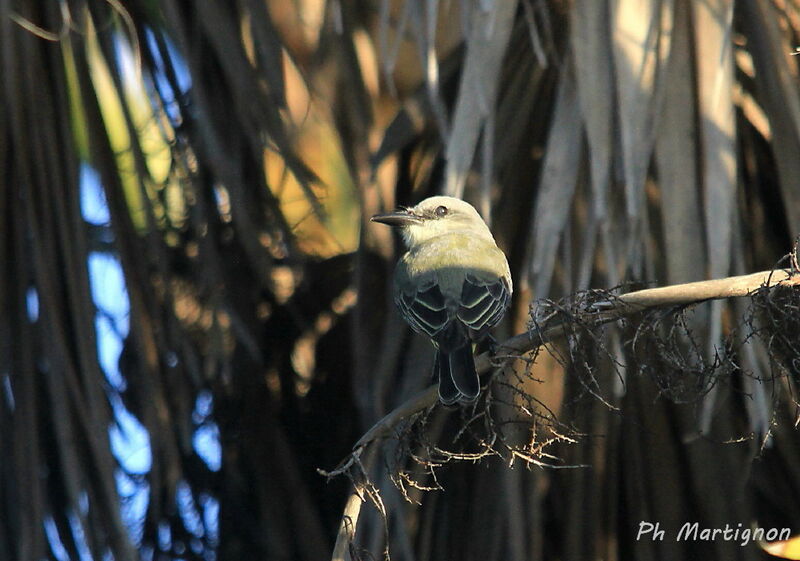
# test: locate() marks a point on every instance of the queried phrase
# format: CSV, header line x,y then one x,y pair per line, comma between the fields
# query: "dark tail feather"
x,y
458,379
463,373
448,393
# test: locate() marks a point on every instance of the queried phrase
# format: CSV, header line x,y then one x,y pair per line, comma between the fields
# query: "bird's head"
x,y
434,217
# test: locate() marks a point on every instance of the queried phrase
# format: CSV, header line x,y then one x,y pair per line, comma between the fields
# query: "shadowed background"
x,y
194,309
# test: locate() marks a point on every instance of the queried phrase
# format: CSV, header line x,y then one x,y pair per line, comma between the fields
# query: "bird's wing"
x,y
483,303
424,308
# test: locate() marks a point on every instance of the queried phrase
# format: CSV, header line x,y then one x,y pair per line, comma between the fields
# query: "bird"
x,y
453,284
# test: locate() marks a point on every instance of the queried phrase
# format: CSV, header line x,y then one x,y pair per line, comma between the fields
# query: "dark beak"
x,y
397,218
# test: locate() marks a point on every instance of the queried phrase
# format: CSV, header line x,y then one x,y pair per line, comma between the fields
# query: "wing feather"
x,y
425,309
483,303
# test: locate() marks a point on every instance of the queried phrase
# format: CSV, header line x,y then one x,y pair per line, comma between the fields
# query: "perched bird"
x,y
453,284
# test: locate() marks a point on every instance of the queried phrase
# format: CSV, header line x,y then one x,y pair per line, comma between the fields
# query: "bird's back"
x,y
449,258
455,276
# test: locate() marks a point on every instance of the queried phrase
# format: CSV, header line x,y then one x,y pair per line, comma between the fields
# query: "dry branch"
x,y
595,314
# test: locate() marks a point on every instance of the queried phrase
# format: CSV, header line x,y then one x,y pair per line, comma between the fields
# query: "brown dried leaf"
x,y
677,163
486,46
557,186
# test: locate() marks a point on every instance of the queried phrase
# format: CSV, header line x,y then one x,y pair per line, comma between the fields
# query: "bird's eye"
x,y
440,211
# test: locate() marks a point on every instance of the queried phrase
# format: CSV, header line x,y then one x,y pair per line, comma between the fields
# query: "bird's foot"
x,y
487,344
794,257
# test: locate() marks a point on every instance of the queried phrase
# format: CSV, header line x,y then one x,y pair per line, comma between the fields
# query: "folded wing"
x,y
481,306
483,303
425,309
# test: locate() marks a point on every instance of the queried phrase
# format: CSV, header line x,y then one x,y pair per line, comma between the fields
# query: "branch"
x,y
596,313
347,527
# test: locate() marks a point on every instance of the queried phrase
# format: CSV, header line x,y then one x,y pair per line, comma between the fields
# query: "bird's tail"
x,y
458,379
